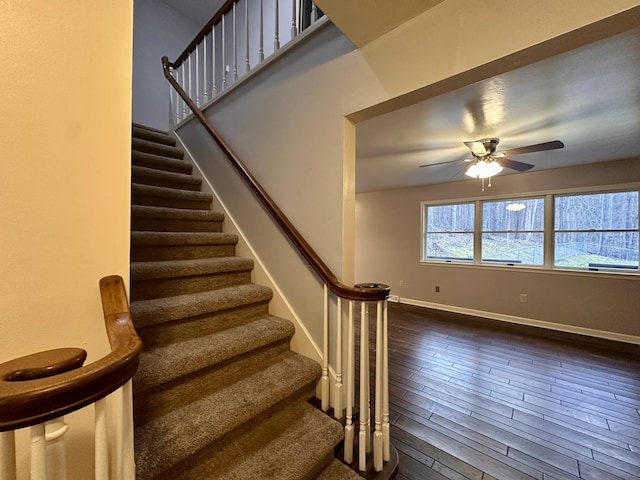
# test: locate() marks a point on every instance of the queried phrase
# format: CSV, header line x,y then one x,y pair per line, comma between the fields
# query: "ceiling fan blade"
x,y
477,148
540,147
514,165
440,163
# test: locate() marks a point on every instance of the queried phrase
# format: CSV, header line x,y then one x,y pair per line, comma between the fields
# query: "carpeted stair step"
x,y
161,149
164,367
336,470
160,178
160,246
292,444
178,277
152,135
159,162
172,438
164,219
169,197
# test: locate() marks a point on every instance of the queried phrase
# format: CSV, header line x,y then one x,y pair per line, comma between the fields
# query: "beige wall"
x,y
288,121
64,196
388,240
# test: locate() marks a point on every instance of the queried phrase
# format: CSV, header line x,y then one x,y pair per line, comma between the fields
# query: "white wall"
x,y
64,188
288,122
158,30
388,239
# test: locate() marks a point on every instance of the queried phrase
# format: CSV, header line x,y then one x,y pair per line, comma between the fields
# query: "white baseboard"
x,y
618,337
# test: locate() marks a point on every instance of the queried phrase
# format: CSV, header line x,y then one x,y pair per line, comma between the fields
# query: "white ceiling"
x,y
589,98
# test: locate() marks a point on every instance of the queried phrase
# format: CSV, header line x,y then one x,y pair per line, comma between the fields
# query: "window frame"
x,y
548,232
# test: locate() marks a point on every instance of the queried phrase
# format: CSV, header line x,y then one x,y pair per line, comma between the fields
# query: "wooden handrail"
x,y
47,385
373,292
224,9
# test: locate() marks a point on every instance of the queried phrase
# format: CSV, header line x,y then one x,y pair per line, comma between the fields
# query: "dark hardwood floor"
x,y
482,400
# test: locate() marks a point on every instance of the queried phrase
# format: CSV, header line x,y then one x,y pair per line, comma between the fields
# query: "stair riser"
x,y
189,183
144,290
178,331
165,164
156,148
137,199
151,253
155,402
170,225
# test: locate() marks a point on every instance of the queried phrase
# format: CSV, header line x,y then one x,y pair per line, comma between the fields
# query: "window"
x,y
448,232
597,231
592,231
513,231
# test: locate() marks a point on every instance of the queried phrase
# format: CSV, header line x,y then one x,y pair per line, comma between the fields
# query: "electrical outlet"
x,y
437,288
524,298
402,283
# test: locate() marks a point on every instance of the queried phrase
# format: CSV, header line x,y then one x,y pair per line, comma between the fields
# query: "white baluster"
x,y
184,104
38,453
261,35
364,391
247,64
324,381
7,456
294,25
385,385
127,462
314,13
205,97
214,90
101,466
171,105
337,402
235,44
348,428
276,40
377,436
189,79
224,56
197,68
56,451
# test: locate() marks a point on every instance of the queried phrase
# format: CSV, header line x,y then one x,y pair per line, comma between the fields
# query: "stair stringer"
x,y
301,342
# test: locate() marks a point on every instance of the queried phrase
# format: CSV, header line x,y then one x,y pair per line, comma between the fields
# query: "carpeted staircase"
x,y
219,394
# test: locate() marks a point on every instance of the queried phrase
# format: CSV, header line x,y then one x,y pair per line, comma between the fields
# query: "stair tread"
x,y
176,213
166,309
180,433
142,172
184,268
288,446
152,190
145,159
183,238
140,145
148,133
164,364
336,470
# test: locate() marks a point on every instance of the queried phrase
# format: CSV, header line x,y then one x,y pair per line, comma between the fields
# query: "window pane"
x,y
450,218
449,246
601,211
517,248
597,249
513,215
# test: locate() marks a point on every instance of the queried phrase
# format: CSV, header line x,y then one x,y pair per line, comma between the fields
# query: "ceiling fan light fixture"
x,y
483,169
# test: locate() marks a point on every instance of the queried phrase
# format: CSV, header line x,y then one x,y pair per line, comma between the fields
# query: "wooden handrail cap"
x,y
42,364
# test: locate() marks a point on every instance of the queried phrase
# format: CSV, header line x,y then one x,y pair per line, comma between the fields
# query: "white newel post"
x,y
7,456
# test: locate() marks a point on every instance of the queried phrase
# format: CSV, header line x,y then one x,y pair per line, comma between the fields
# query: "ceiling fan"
x,y
486,162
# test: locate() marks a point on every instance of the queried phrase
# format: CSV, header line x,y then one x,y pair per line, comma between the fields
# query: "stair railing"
x,y
250,29
362,295
38,390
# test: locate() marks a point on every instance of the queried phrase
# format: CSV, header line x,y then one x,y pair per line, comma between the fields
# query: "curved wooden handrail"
x,y
373,292
64,385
